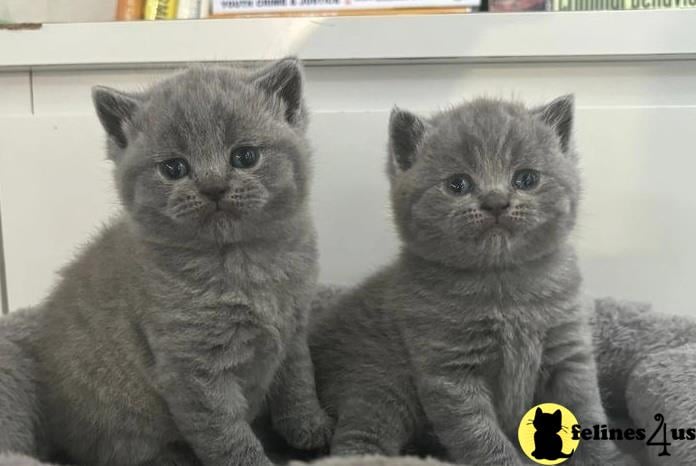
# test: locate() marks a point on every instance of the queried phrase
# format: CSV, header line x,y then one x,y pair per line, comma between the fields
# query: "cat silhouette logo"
x,y
545,434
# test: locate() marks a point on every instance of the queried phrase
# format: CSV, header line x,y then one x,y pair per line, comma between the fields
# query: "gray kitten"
x,y
164,337
479,318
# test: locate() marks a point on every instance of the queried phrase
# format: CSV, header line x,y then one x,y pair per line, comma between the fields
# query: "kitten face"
x,y
488,183
212,152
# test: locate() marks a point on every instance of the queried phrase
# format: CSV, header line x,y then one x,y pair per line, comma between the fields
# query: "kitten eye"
x,y
525,179
460,184
245,157
174,169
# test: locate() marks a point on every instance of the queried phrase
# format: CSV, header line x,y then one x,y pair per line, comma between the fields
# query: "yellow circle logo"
x,y
545,434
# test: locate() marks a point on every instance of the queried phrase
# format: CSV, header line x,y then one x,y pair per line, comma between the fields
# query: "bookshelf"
x,y
624,35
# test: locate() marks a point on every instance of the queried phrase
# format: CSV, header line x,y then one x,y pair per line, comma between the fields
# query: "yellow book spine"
x,y
160,9
150,10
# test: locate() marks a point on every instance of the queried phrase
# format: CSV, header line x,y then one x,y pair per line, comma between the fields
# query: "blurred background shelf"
x,y
478,38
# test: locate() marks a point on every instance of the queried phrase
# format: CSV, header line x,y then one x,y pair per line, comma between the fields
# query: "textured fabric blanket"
x,y
647,366
375,461
18,460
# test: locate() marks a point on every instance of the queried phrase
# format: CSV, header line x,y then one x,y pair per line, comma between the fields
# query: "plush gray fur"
x,y
374,461
652,390
165,335
19,415
647,365
480,317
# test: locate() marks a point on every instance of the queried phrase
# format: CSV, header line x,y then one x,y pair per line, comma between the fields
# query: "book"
x,y
160,9
385,4
336,7
129,10
192,9
592,5
347,12
497,6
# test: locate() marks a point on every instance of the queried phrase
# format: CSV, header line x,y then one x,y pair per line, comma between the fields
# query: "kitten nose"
x,y
214,192
495,203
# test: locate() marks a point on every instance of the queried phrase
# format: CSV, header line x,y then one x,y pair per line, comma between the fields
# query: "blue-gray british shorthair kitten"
x,y
167,334
480,316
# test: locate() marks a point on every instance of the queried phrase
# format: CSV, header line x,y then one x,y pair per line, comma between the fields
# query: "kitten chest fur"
x,y
494,324
239,304
227,314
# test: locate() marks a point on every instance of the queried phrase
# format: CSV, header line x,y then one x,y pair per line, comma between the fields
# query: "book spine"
x,y
226,7
410,3
160,9
204,10
150,10
129,10
167,9
348,12
189,9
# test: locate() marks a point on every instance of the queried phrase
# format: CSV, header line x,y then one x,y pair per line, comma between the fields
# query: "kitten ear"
x,y
406,132
538,412
559,115
284,79
558,414
115,109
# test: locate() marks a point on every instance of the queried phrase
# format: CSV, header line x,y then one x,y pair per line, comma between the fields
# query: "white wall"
x,y
57,11
633,127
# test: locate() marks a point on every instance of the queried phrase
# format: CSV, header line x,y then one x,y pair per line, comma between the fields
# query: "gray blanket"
x,y
647,366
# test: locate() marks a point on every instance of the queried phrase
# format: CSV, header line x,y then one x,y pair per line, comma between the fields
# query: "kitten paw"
x,y
307,432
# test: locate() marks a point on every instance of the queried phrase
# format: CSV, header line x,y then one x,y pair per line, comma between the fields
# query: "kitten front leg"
x,y
210,410
295,410
572,382
210,413
375,418
464,420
